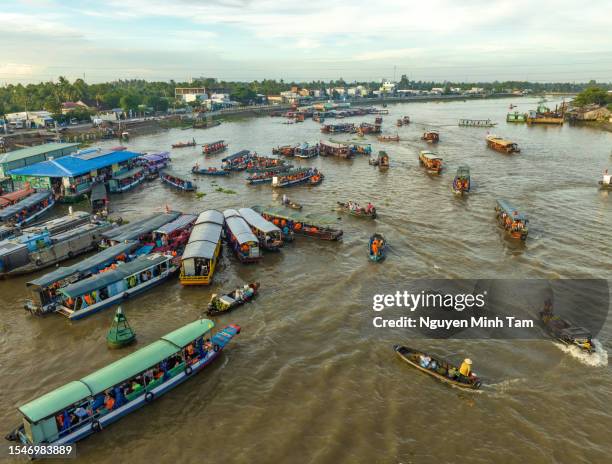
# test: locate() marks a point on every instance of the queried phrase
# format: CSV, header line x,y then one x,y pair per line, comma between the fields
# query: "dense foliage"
x,y
138,95
593,95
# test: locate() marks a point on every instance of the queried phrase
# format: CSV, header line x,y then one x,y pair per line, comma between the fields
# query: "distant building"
x,y
357,91
67,107
29,119
27,156
387,87
275,99
190,94
437,90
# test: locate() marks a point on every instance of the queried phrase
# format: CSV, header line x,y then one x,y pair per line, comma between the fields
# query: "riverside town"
x,y
324,233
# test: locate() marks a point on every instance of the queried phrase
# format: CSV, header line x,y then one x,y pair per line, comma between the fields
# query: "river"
x,y
305,381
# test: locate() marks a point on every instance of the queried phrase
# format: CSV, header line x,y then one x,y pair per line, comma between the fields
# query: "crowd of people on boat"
x,y
25,213
512,224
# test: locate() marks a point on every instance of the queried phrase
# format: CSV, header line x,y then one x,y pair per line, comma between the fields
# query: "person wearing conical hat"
x,y
466,367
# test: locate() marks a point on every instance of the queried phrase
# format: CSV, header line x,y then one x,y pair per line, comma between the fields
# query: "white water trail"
x,y
599,358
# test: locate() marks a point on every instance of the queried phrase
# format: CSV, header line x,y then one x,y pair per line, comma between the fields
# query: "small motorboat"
x,y
461,182
209,171
388,138
291,204
120,333
316,179
431,137
565,332
184,144
438,368
377,247
356,210
225,303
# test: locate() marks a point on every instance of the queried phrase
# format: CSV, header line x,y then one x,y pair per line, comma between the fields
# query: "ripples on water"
x,y
304,382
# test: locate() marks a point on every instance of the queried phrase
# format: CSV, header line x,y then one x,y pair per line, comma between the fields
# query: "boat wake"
x,y
599,358
503,386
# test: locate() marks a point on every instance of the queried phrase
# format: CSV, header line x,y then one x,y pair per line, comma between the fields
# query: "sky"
x,y
363,40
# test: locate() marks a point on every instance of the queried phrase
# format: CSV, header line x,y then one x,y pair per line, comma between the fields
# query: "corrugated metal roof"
x,y
73,165
55,401
203,241
255,220
127,174
238,226
135,229
22,153
91,264
10,211
236,155
211,216
178,223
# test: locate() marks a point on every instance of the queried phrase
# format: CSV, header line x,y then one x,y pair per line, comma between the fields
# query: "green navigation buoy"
x,y
120,333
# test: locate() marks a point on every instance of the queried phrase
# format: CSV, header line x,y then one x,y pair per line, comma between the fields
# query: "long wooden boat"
x,y
431,137
264,177
511,220
110,288
210,171
44,290
462,181
89,405
237,162
564,331
269,235
306,150
214,147
293,224
502,145
184,144
431,162
293,177
389,138
240,237
199,259
10,198
229,301
34,252
264,163
444,371
126,180
476,123
341,150
177,181
377,247
284,150
28,209
354,209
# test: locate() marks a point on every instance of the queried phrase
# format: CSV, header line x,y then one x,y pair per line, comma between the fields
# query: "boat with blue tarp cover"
x,y
27,210
105,289
178,181
269,235
511,220
87,406
201,254
44,290
240,237
236,162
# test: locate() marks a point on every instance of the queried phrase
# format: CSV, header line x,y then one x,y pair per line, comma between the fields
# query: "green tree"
x,y
129,102
243,94
592,95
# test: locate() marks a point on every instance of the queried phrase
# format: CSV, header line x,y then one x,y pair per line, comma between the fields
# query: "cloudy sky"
x,y
468,40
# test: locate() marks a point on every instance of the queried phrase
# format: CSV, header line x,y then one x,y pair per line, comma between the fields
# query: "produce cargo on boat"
x,y
239,236
201,254
105,289
84,407
269,235
225,303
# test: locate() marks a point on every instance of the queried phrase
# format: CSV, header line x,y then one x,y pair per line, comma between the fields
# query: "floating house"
x,y
70,177
31,155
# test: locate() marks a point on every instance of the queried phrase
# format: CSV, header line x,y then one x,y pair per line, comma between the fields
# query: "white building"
x,y
190,94
387,87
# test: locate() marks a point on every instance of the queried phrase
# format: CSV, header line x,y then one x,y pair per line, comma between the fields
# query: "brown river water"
x,y
306,381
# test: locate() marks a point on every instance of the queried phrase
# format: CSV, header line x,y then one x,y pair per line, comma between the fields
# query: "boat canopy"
x,y
180,222
292,172
60,223
11,197
55,401
430,155
134,230
510,211
91,264
463,171
240,154
214,143
10,211
211,215
104,279
203,241
237,226
115,373
155,157
127,174
256,220
98,192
